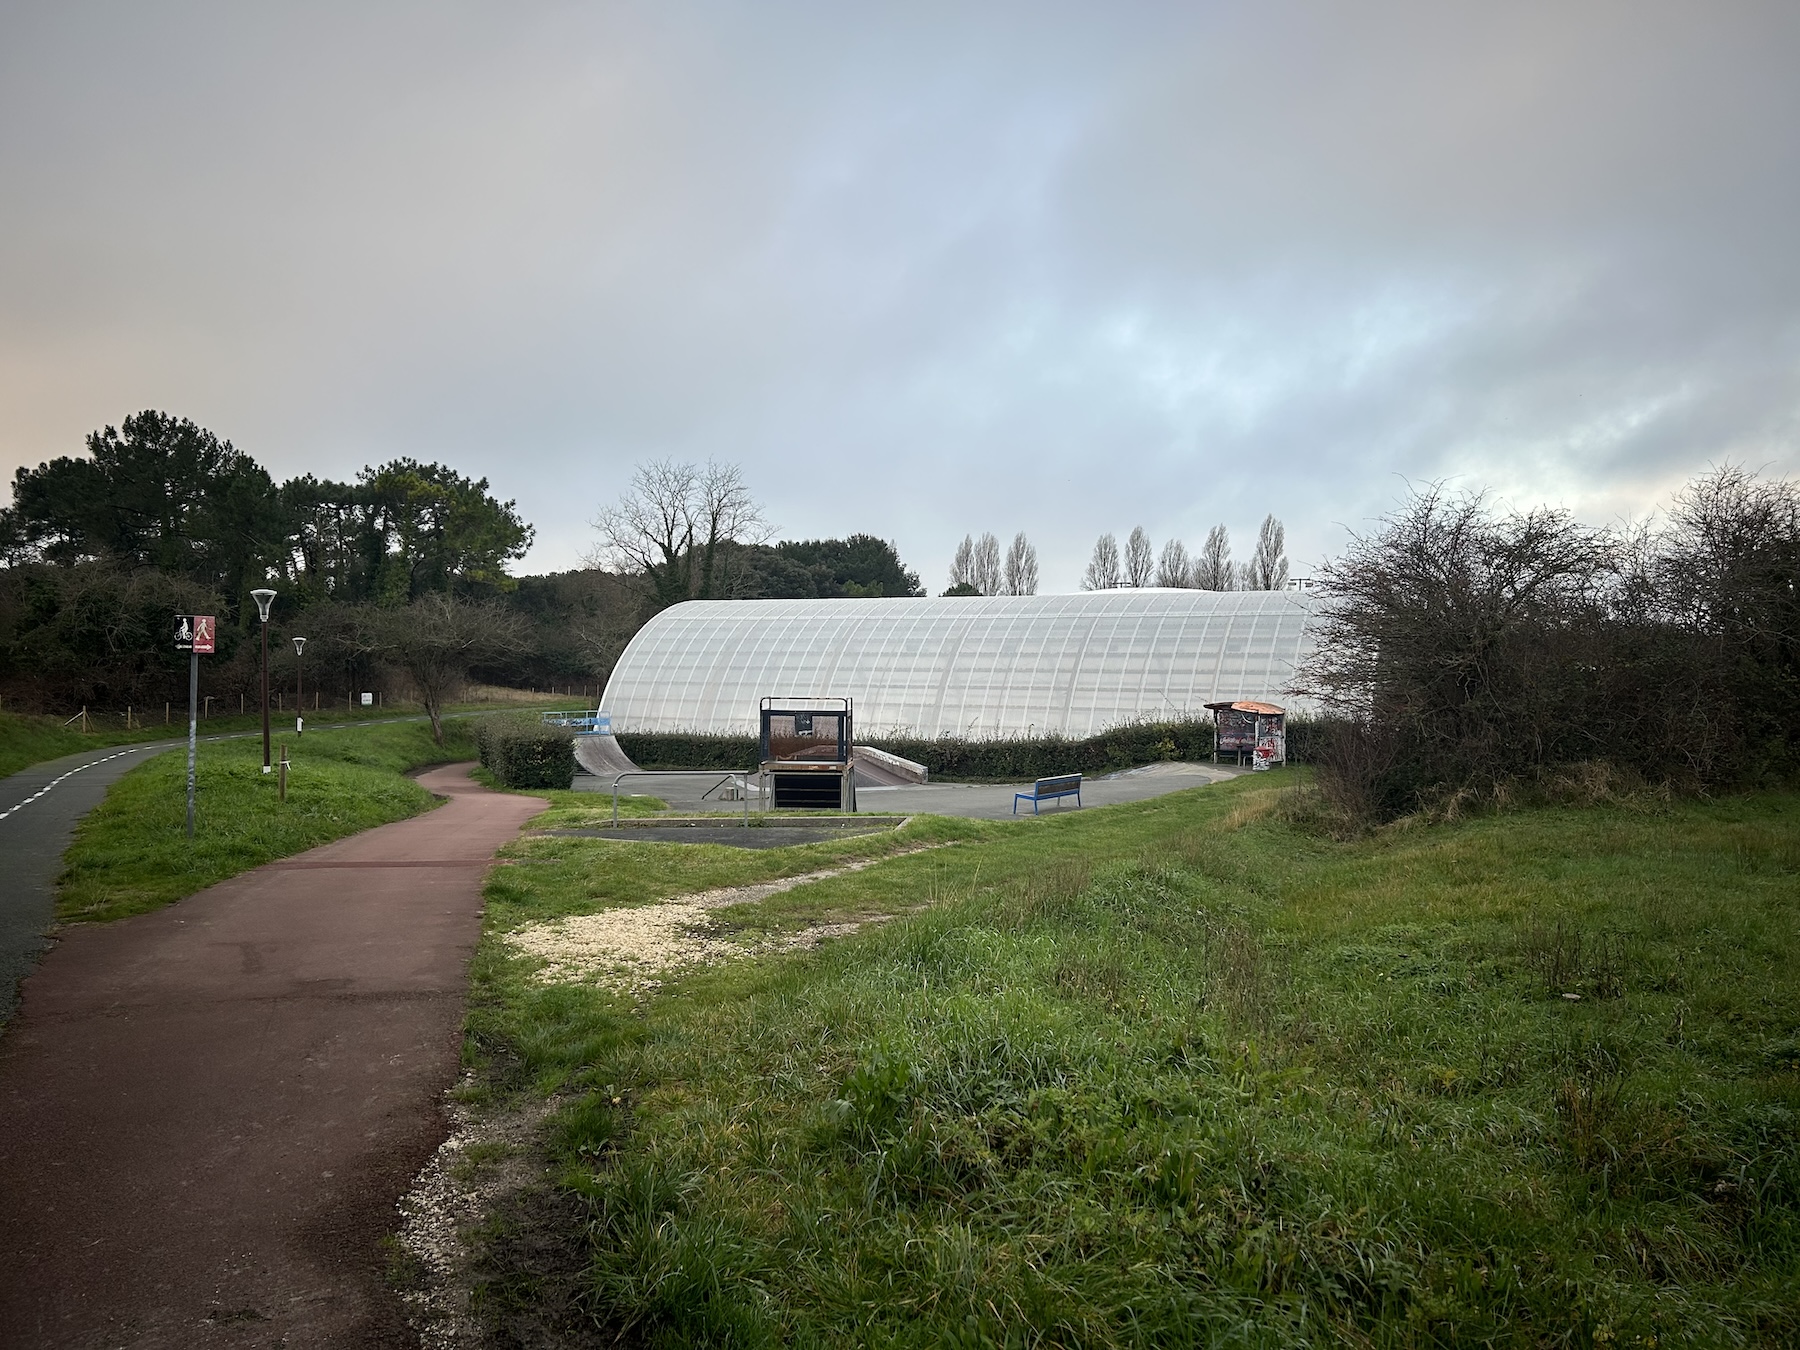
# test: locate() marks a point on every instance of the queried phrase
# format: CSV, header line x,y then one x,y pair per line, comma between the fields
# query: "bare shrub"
x,y
1473,656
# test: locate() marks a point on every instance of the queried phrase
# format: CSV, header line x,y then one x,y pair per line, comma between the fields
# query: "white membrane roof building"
x,y
974,666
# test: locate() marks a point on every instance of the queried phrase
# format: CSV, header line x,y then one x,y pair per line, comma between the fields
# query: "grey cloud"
x,y
1062,269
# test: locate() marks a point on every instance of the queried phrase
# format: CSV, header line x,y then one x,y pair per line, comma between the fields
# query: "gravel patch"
x,y
631,950
488,1156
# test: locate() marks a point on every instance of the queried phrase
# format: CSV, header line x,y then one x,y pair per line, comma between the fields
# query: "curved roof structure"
x,y
975,666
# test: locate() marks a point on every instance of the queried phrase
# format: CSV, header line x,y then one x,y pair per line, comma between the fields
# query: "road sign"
x,y
195,633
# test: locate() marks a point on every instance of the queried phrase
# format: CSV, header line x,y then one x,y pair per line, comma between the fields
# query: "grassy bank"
x,y
1178,1074
131,853
26,739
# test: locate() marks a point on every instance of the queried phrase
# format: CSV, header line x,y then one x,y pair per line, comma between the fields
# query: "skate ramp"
x,y
877,768
602,757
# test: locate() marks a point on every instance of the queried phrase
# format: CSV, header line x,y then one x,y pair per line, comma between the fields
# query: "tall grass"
x,y
1180,1074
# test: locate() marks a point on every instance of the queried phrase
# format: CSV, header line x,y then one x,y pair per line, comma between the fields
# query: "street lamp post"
x,y
299,688
264,598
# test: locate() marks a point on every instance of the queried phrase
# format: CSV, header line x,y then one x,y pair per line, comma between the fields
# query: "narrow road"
x,y
39,809
208,1113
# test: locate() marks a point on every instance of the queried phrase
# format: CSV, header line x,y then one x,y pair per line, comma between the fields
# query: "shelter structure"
x,y
805,750
980,667
1246,728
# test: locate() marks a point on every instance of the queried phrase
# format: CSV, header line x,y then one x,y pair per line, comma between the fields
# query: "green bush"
x,y
1009,759
523,752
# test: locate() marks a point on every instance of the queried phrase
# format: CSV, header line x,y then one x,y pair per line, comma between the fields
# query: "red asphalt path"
x,y
208,1113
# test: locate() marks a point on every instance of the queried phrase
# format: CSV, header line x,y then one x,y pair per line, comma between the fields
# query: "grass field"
x,y
1172,1074
132,854
26,739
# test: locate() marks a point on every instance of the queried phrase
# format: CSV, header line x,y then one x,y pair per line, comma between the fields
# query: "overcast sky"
x,y
921,269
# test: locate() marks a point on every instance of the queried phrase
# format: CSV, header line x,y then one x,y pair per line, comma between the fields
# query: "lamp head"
x,y
299,646
264,598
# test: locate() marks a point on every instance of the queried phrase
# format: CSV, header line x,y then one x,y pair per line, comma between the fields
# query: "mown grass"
x,y
132,854
1179,1073
27,739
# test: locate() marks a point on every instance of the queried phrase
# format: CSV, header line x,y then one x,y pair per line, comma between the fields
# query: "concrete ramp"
x,y
877,768
602,757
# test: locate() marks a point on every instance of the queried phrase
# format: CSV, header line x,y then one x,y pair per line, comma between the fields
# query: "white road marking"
x,y
136,749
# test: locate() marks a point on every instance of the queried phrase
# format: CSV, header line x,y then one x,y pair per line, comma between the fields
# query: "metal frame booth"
x,y
805,753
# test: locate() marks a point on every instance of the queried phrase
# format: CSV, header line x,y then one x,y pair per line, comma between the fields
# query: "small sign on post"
x,y
194,634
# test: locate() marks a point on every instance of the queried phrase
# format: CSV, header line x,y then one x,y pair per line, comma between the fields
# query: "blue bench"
x,y
1048,790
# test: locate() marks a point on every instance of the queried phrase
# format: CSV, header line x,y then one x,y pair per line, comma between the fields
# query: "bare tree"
x,y
1212,569
672,524
1021,577
437,638
1103,568
1268,566
1173,569
1139,558
725,514
962,566
987,565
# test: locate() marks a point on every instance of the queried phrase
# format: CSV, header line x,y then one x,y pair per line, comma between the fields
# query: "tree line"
x,y
1472,656
402,573
1209,569
405,567
977,568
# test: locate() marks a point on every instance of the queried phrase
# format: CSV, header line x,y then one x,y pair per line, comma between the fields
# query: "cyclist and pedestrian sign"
x,y
194,634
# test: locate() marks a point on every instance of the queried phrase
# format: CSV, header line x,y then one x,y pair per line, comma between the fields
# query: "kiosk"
x,y
1245,728
806,754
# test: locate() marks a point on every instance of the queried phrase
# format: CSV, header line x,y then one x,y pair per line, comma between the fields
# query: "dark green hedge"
x,y
679,750
522,752
1017,759
1014,759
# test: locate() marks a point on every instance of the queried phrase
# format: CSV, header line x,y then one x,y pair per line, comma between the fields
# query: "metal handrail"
x,y
742,775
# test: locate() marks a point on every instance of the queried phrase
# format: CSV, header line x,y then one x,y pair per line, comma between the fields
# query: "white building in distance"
x,y
971,666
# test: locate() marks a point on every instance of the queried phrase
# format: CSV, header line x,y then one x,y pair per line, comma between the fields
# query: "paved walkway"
x,y
208,1113
39,809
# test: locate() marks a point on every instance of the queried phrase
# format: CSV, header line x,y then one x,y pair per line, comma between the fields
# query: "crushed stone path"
x,y
208,1114
631,948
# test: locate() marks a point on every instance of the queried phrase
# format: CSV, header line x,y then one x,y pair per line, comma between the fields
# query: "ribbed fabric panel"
x,y
975,666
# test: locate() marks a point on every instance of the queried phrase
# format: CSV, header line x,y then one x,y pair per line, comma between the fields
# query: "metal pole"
x,y
299,676
193,731
265,693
